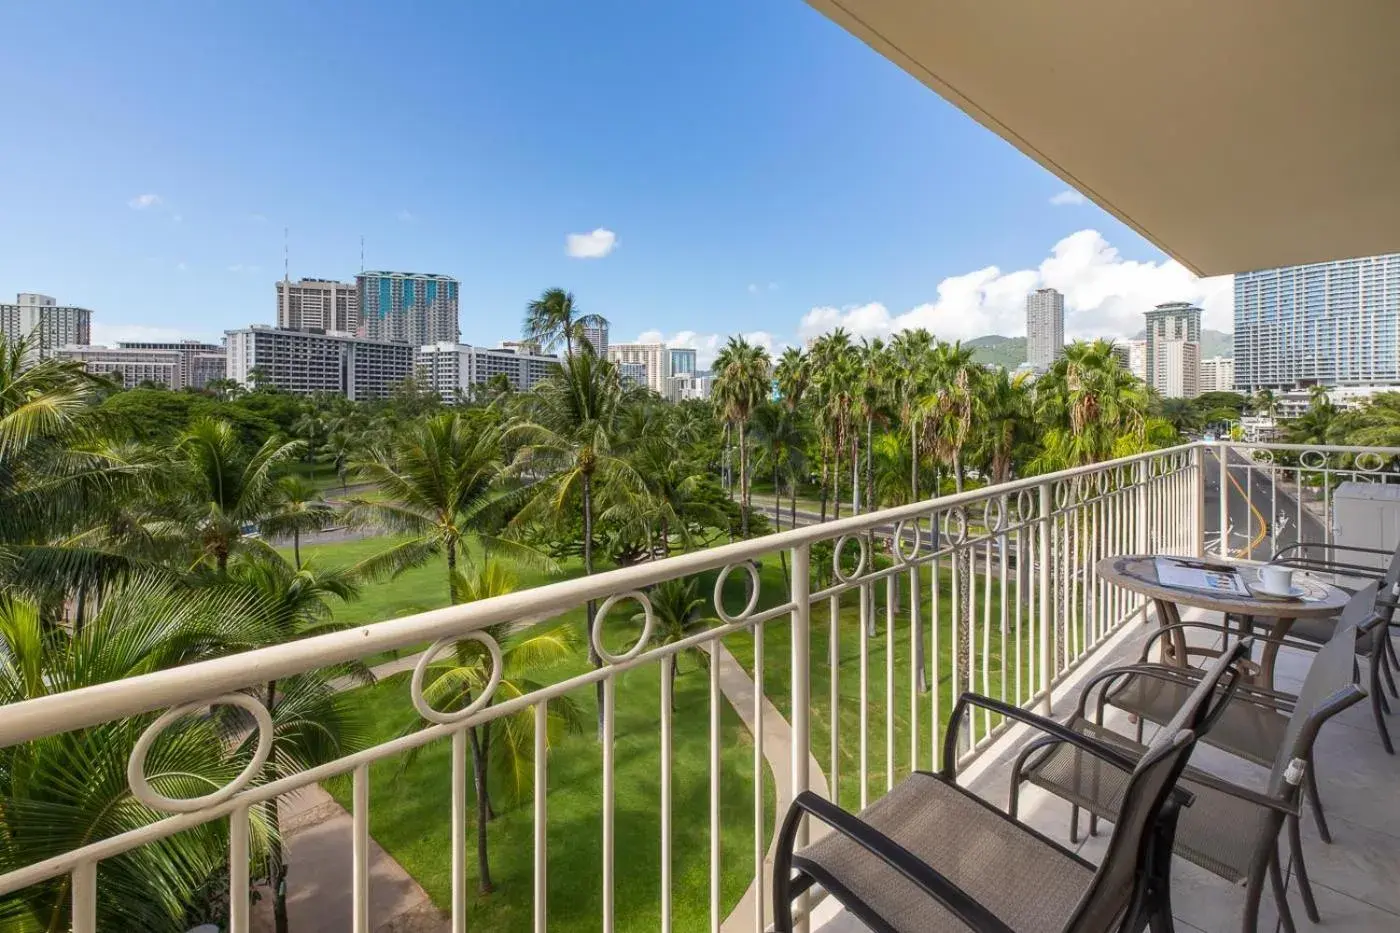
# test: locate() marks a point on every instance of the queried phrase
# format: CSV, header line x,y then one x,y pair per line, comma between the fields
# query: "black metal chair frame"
x,y
1284,809
1150,900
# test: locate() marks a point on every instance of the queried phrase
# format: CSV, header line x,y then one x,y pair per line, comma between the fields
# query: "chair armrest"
x,y
1187,677
955,899
1354,548
1284,642
1091,745
1331,566
1206,779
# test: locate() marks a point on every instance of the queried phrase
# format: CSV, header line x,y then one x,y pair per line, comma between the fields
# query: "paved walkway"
x,y
738,688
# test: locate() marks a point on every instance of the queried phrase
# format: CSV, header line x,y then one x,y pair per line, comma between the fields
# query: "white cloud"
x,y
104,334
181,266
707,346
753,289
239,267
756,287
593,245
1068,198
143,201
1105,296
406,216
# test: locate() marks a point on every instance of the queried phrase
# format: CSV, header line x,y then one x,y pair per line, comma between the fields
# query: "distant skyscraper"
x,y
1177,368
682,361
597,337
1045,328
318,305
1218,374
1137,358
1175,320
1325,323
653,358
49,324
407,307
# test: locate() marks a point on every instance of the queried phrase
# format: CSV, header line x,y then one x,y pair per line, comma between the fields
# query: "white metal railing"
x,y
1002,578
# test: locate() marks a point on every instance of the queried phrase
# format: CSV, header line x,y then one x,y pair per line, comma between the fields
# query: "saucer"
x,y
1294,592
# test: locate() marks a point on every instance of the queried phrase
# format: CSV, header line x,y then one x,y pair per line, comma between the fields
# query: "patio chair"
x,y
1301,556
931,856
1230,831
1255,726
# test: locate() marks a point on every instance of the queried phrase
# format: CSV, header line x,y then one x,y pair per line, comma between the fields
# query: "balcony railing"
x,y
993,590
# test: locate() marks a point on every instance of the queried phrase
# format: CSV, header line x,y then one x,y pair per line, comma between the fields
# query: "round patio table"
x,y
1138,572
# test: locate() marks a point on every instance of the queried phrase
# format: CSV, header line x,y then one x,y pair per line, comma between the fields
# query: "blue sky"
x,y
758,169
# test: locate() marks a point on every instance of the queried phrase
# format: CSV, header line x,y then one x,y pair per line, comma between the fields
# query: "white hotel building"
x,y
449,368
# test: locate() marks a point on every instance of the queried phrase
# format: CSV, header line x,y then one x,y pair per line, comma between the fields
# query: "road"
x,y
1258,524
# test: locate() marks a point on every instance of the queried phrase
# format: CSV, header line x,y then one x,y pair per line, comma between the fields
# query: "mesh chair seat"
x,y
1252,732
1026,880
1218,832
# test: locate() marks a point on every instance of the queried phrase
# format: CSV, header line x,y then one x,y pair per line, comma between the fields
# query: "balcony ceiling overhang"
x,y
1234,135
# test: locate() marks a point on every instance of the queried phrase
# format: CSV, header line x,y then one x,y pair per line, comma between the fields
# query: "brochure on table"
x,y
1183,573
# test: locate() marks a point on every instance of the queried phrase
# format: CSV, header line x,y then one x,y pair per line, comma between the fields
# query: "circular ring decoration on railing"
x,y
1375,464
836,558
1101,482
999,522
1026,504
960,535
1062,494
648,626
1178,461
901,528
136,764
719,592
1120,477
1261,455
415,687
1313,460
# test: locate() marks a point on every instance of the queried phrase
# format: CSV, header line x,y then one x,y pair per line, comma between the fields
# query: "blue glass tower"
x,y
1325,323
408,307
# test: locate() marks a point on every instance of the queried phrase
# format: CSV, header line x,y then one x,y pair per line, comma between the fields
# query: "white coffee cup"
x,y
1276,579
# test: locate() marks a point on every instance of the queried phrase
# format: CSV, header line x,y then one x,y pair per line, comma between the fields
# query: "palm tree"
x,y
502,746
444,487
217,490
1265,403
911,350
552,318
1005,419
947,410
874,375
741,383
572,449
781,445
313,722
793,375
1090,407
833,366
677,609
299,507
66,791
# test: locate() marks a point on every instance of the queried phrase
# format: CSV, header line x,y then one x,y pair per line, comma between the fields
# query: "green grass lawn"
x,y
409,807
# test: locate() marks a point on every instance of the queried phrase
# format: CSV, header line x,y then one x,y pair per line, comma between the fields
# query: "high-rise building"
x,y
1174,320
683,360
1123,354
318,305
183,364
407,307
1176,368
304,363
48,324
655,358
1325,323
450,368
1045,328
691,385
1137,358
1217,374
597,337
